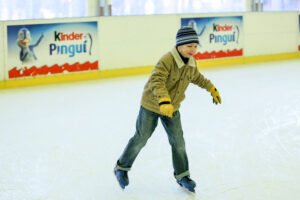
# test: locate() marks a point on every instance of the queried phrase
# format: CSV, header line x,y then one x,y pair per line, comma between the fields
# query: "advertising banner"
x,y
2,73
47,49
219,36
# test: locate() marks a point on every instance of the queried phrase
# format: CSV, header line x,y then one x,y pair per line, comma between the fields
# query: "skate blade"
x,y
186,189
189,190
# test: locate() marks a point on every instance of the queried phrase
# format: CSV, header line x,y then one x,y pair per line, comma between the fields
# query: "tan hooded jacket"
x,y
170,78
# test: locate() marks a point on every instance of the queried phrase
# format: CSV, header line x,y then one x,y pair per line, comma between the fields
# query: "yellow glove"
x,y
165,107
215,94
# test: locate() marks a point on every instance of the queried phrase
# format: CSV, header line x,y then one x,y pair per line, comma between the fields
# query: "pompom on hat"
x,y
186,35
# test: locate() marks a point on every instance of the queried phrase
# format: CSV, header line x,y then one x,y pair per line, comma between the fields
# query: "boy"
x,y
161,98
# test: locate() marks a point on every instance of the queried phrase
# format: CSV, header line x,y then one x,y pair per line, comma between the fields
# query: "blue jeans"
x,y
145,126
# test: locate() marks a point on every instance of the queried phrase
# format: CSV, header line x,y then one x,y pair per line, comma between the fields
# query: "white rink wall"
x,y
270,33
136,41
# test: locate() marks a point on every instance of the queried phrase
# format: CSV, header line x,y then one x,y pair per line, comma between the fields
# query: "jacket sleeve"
x,y
159,78
201,81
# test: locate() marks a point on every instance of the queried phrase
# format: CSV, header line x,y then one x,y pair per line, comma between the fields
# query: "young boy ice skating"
x,y
162,95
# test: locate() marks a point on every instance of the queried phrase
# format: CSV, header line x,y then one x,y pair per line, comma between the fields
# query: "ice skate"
x,y
122,177
187,183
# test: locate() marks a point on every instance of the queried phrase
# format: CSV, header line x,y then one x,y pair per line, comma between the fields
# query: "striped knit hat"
x,y
186,35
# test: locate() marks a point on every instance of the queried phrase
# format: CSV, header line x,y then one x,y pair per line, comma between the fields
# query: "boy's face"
x,y
188,50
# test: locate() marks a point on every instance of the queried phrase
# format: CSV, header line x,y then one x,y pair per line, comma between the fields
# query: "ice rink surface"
x,y
61,142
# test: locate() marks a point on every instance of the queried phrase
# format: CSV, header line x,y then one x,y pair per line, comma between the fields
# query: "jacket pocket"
x,y
172,80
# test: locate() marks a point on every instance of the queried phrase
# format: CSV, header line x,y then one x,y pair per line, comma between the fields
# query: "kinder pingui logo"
x,y
224,34
80,44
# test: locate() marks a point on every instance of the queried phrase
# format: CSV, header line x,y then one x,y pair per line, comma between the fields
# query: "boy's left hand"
x,y
215,94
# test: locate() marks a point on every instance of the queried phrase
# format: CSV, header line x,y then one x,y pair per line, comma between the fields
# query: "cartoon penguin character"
x,y
27,51
193,24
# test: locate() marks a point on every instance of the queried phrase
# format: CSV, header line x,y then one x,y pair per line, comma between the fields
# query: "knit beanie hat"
x,y
186,35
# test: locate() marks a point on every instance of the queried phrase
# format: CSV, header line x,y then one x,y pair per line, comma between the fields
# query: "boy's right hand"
x,y
165,107
215,94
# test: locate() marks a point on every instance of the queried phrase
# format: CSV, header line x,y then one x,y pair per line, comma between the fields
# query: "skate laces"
x,y
188,179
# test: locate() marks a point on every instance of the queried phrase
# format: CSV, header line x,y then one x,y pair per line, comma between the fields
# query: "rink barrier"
x,y
43,80
261,42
